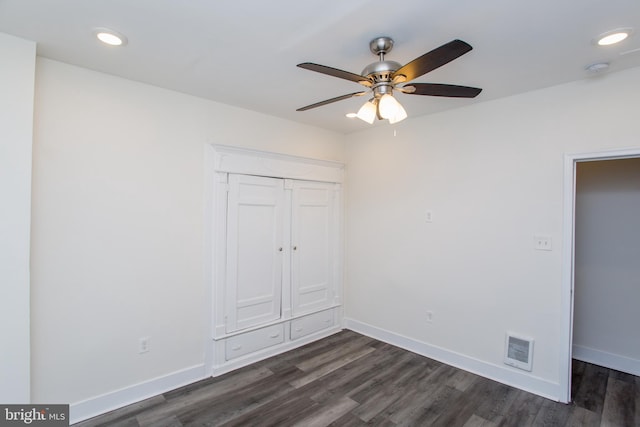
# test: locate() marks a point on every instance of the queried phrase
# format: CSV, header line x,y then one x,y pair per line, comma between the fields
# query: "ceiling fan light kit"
x,y
384,76
367,112
391,109
398,116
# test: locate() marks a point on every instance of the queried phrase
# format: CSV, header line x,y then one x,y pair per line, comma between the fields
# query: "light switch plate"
x,y
428,216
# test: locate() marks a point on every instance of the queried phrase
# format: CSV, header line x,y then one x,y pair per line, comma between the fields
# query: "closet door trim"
x,y
253,162
220,161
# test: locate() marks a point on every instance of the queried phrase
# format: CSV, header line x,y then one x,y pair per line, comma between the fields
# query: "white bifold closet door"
x,y
313,232
255,215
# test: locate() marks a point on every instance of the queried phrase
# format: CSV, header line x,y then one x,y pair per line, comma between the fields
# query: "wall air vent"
x,y
518,352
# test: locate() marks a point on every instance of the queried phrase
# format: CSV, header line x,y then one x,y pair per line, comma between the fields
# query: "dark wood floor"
x,y
352,380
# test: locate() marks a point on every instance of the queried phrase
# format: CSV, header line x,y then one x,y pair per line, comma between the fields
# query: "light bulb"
x,y
367,112
401,114
388,106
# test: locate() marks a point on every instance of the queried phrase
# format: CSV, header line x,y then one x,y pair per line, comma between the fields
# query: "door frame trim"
x,y
568,256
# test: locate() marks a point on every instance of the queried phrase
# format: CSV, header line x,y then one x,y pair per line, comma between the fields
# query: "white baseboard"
x,y
98,405
503,374
608,360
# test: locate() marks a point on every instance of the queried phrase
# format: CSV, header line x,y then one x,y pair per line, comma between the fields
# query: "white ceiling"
x,y
244,52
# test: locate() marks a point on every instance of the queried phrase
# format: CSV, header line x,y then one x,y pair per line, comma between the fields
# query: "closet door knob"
x,y
279,249
295,248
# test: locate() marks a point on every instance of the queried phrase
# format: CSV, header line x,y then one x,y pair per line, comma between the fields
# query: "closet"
x,y
276,240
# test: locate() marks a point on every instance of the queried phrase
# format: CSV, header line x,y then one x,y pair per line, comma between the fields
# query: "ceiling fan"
x,y
383,77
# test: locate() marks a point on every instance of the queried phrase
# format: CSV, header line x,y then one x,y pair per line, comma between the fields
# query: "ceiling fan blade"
x,y
336,73
437,89
434,59
329,101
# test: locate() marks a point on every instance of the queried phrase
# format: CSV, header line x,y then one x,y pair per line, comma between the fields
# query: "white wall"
x,y
117,229
607,271
16,124
118,233
492,174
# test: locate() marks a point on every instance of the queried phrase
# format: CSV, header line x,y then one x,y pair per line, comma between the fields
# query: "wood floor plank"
x,y
523,411
497,403
552,414
329,367
378,404
125,422
172,421
577,374
248,399
327,413
476,421
622,376
460,410
591,392
432,405
125,414
334,353
381,421
462,380
400,366
192,401
581,417
376,395
287,409
619,404
313,349
350,377
426,392
284,410
348,420
350,380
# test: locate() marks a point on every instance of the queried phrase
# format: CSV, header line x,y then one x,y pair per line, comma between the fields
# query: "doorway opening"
x,y
572,162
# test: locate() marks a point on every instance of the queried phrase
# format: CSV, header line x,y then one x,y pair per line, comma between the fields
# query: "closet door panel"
x,y
254,255
312,236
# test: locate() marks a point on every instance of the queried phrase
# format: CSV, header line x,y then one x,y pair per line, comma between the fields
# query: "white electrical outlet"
x,y
429,316
542,243
144,345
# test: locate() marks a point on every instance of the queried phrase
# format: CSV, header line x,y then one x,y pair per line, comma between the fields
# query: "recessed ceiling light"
x,y
110,37
613,36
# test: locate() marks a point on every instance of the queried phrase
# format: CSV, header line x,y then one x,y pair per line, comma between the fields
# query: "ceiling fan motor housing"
x,y
381,74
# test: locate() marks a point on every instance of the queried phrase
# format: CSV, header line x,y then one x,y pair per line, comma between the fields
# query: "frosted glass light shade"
x,y
367,112
388,106
401,114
